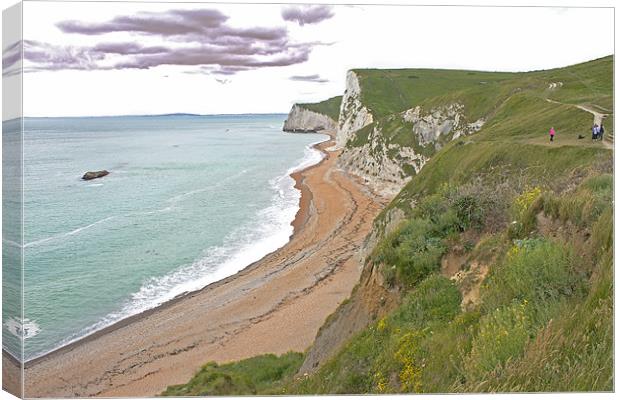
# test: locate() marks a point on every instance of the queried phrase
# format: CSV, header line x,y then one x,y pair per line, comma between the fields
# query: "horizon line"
x,y
149,115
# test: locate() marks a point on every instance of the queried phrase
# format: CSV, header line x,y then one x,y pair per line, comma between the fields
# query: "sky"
x,y
88,59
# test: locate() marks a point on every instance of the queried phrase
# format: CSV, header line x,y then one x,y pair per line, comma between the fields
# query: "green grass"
x,y
387,92
497,162
572,352
585,83
257,375
329,107
540,272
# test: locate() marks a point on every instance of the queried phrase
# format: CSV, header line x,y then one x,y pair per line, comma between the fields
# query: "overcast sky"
x,y
139,58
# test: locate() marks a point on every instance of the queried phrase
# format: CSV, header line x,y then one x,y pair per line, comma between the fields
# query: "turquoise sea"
x,y
189,200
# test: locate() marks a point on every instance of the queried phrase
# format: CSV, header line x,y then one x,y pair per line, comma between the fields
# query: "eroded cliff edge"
x,y
313,117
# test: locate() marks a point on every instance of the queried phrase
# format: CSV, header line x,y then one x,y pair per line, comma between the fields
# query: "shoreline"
x,y
274,305
301,217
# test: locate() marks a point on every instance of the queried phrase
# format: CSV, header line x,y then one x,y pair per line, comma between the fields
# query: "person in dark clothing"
x,y
601,130
595,132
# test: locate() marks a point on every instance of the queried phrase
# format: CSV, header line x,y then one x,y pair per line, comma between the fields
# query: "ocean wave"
x,y
174,200
67,234
270,230
312,156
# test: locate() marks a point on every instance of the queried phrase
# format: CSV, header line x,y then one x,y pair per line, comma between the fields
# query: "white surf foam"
x,y
176,199
67,234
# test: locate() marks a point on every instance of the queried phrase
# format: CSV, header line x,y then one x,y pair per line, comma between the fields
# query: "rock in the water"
x,y
94,175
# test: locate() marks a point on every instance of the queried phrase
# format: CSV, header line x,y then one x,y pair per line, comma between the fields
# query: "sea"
x,y
189,201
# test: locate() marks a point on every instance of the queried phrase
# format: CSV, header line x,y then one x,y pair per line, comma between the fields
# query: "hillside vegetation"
x,y
387,92
503,257
329,107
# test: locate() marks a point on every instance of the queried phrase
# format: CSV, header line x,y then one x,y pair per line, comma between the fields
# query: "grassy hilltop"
x,y
329,107
503,258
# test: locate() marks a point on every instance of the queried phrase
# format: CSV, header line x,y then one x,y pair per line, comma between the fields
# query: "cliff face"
x,y
303,120
448,121
353,114
381,165
396,148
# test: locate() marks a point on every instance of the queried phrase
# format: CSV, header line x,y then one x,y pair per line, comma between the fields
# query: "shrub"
x,y
583,206
599,183
436,299
431,305
469,211
573,352
524,209
454,209
525,200
410,253
502,336
446,223
433,205
538,271
410,371
443,351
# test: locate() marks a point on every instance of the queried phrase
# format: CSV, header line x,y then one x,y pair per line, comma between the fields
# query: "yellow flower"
x,y
382,325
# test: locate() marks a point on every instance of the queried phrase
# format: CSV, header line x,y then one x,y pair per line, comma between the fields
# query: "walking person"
x,y
601,131
595,132
551,134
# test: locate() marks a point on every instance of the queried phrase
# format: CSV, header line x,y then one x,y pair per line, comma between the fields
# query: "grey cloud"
x,y
199,38
45,56
224,60
230,69
173,22
309,78
236,58
128,48
307,14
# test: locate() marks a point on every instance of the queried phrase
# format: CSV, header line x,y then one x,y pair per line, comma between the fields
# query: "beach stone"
x,y
94,175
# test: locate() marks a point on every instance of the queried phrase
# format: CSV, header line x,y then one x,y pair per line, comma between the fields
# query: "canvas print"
x,y
216,199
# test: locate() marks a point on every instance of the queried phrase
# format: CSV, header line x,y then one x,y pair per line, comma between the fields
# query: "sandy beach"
x,y
273,306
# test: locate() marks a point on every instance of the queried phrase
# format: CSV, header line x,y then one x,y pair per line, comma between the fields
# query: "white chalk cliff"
x,y
353,114
387,167
303,120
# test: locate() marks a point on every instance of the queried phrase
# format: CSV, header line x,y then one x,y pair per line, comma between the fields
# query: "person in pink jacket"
x,y
551,134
